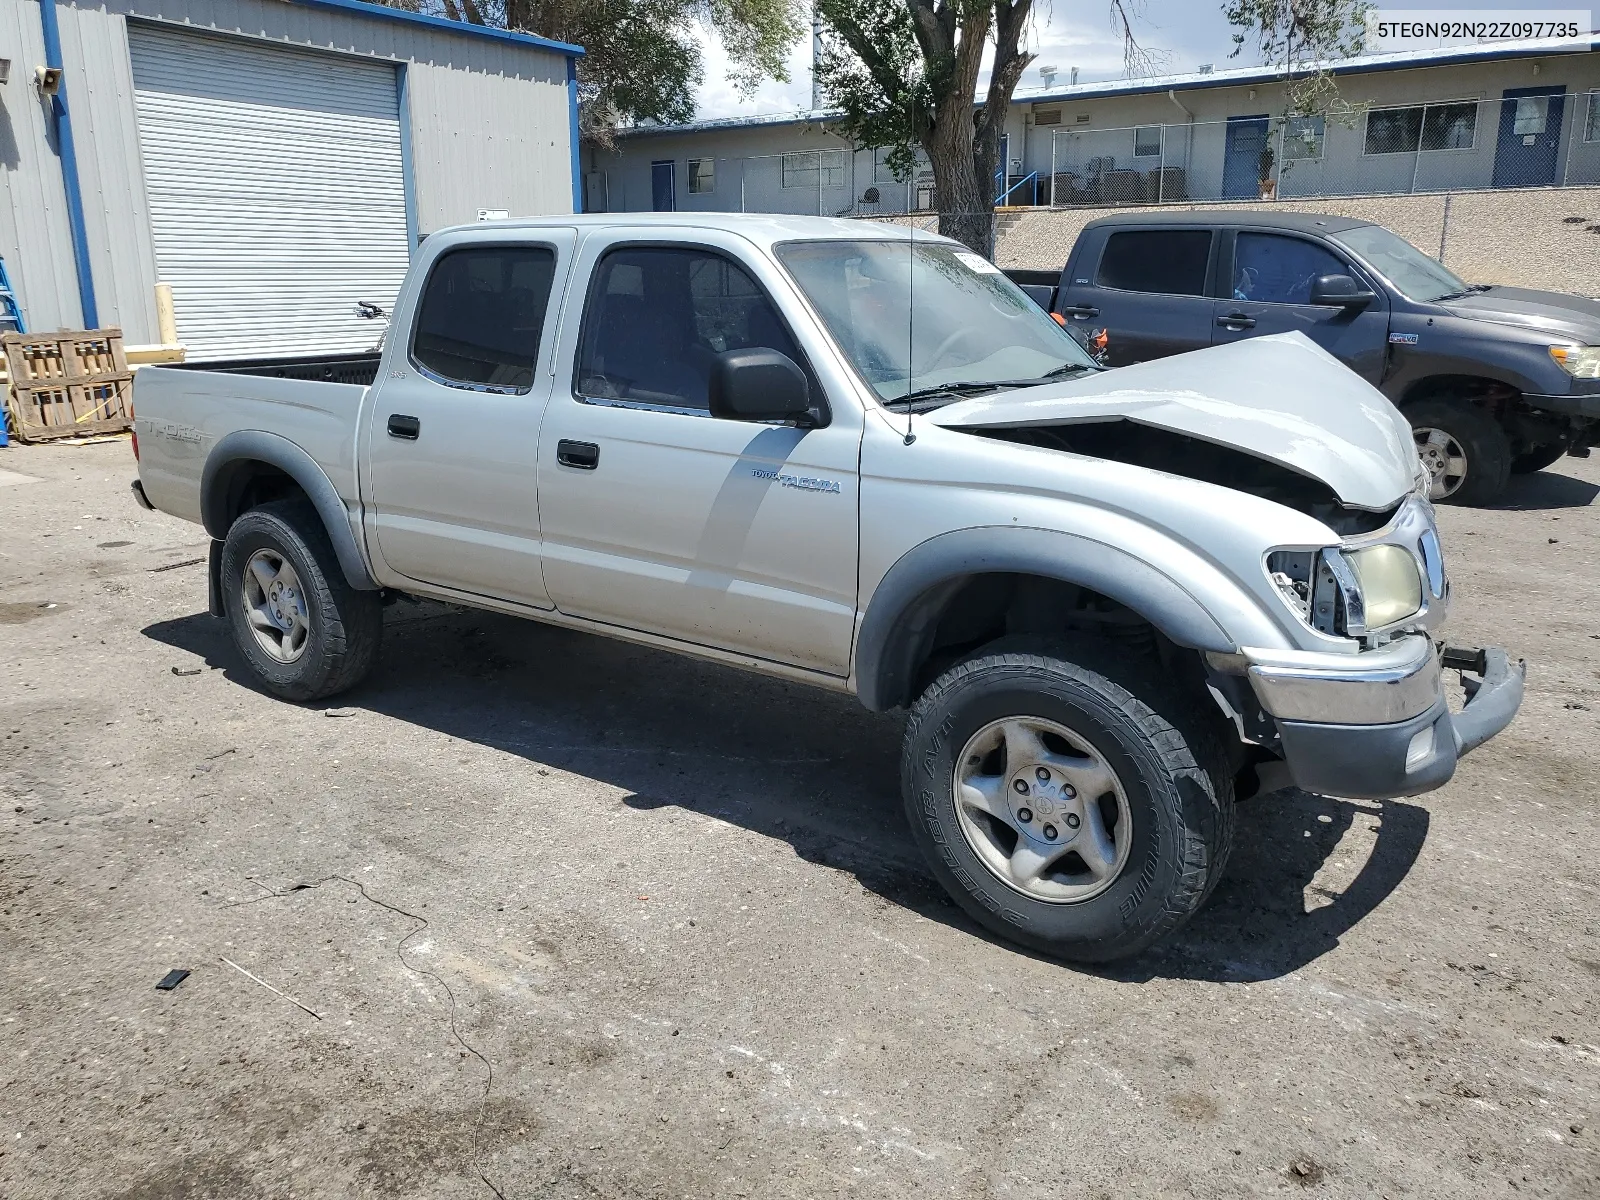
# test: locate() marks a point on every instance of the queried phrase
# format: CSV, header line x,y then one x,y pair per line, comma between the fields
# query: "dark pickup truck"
x,y
1495,380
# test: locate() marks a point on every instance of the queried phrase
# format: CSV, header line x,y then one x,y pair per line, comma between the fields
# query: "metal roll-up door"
x,y
276,191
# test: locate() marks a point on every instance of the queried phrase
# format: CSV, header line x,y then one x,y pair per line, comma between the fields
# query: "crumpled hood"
x,y
1281,398
1555,313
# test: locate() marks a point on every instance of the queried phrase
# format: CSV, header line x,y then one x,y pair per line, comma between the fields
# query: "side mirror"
x,y
1340,291
759,384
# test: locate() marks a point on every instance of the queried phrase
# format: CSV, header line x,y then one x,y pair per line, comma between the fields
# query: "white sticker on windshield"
x,y
977,262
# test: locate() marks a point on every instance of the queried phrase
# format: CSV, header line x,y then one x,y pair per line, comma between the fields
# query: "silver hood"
x,y
1280,398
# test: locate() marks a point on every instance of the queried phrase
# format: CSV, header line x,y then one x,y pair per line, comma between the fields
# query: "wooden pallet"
x,y
66,385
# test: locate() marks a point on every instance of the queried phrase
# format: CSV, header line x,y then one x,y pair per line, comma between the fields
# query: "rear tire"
x,y
1151,802
1465,449
304,631
1538,460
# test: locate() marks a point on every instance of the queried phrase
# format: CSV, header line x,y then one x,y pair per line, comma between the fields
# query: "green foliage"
x,y
870,68
1298,37
642,62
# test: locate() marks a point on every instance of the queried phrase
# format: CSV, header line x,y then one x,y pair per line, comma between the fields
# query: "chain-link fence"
x,y
1545,140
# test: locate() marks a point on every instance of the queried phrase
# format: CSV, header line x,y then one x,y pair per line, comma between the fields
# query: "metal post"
x,y
69,166
1572,141
1053,140
1283,127
1444,227
742,161
1161,167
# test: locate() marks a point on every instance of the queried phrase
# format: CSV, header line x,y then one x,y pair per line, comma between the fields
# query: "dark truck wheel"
x,y
1065,808
1464,448
1537,459
305,632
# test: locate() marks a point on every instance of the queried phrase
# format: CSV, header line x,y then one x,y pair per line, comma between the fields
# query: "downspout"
x,y
69,166
572,121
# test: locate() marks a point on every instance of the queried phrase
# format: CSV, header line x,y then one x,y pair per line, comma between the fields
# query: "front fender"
x,y
233,454
911,595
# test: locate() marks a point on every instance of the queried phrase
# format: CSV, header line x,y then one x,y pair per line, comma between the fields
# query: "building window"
x,y
1147,141
702,175
1303,138
882,172
1591,117
813,169
1422,127
1047,116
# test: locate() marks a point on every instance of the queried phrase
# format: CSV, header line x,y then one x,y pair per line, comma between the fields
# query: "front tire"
x,y
303,630
1065,808
1465,450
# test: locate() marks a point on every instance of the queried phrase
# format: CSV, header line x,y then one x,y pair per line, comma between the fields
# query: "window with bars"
x,y
1303,138
1452,126
702,175
814,168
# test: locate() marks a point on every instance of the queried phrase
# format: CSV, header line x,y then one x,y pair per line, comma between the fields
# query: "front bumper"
x,y
1380,726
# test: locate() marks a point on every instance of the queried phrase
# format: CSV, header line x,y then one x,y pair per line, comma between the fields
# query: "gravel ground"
x,y
575,919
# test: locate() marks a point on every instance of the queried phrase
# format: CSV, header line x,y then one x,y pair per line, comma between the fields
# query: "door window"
x,y
657,318
1169,261
481,315
1279,270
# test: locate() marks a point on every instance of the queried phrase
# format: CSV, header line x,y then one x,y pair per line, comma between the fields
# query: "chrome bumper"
x,y
1379,725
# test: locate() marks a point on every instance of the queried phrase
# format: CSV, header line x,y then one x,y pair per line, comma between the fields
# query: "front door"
x,y
1241,162
453,436
1270,292
664,186
661,518
1530,137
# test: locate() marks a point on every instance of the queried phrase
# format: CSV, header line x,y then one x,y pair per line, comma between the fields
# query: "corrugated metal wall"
x,y
488,141
34,236
488,122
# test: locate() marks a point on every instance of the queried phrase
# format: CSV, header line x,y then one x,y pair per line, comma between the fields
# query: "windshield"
x,y
914,316
1413,274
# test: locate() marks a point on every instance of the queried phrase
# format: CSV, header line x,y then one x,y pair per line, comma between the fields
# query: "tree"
x,y
905,73
642,61
1299,38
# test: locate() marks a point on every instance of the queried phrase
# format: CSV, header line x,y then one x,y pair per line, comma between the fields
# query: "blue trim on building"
x,y
384,13
408,178
572,135
69,167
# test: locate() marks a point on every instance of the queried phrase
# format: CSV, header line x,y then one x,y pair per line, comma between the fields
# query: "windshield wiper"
x,y
974,387
1472,289
956,391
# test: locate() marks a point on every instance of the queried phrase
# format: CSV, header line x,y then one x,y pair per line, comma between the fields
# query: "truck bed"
x,y
180,414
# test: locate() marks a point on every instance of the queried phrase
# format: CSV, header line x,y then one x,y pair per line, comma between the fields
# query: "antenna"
x,y
911,308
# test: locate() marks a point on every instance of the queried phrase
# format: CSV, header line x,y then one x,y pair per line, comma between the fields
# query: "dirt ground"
x,y
574,919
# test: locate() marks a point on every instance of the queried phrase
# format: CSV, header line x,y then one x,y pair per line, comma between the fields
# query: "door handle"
x,y
1236,321
1082,311
583,455
404,427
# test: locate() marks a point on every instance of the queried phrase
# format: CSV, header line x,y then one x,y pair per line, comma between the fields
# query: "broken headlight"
x,y
1348,592
1391,585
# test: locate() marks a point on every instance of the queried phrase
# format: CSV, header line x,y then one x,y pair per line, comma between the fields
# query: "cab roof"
x,y
761,228
1300,222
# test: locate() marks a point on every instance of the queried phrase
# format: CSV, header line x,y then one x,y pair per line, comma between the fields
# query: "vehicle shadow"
x,y
813,769
1547,489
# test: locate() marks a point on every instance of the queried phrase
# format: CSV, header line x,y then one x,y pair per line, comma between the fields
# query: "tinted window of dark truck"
x,y
1168,261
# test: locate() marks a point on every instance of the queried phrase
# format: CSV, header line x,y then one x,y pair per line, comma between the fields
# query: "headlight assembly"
x,y
1391,585
1581,362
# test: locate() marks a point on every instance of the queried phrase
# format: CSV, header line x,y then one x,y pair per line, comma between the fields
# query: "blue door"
x,y
1530,137
1241,161
663,186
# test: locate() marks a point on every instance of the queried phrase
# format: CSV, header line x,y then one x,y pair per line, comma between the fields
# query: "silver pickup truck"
x,y
857,457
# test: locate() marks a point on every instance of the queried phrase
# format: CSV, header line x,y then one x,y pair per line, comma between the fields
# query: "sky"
x,y
1066,34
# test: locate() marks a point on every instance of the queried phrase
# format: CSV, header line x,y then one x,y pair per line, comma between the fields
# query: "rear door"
x,y
1147,286
453,433
1269,274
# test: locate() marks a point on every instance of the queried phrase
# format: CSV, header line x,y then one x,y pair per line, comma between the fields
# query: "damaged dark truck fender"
x,y
1110,601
